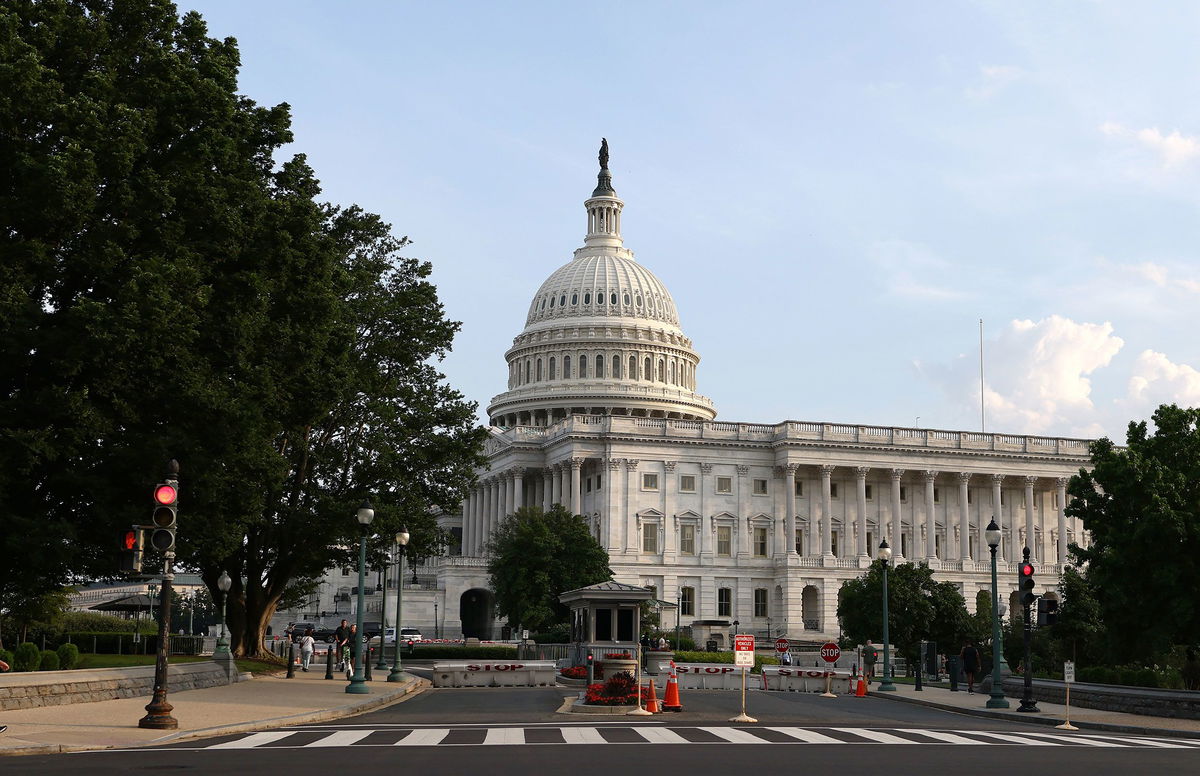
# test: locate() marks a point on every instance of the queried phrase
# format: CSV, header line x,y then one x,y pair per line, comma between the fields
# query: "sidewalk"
x,y
1049,714
255,704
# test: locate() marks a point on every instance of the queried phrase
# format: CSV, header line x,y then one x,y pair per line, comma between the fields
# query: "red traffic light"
x,y
165,494
1026,569
129,540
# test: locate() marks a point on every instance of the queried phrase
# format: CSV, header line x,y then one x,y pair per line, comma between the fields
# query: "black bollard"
x,y
291,672
329,662
367,667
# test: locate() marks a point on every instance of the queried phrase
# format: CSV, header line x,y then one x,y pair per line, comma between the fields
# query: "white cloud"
x,y
995,78
1037,376
1173,150
1157,380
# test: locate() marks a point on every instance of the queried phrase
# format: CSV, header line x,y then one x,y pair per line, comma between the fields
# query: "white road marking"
x,y
734,735
657,735
504,736
582,735
427,737
253,740
341,738
807,736
876,735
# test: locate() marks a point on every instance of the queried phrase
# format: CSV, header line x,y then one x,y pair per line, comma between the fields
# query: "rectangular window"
x,y
687,539
649,481
799,541
760,602
760,542
799,488
687,483
870,493
604,624
903,493
687,601
760,487
724,540
904,544
833,541
1003,498
588,485
937,495
724,485
598,476
937,546
833,490
871,543
724,602
650,537
970,497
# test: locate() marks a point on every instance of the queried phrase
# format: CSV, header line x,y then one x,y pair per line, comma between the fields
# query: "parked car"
x,y
298,629
406,635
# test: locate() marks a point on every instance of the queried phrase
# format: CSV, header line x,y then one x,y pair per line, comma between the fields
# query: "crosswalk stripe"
x,y
948,738
582,735
1061,739
807,736
734,735
341,738
1142,741
426,737
656,735
1015,739
253,740
505,736
876,735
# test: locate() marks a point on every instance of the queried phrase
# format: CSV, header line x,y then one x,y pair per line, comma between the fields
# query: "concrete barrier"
x,y
707,676
28,690
805,679
495,673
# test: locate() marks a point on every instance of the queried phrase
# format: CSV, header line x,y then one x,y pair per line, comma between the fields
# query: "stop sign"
x,y
830,652
782,645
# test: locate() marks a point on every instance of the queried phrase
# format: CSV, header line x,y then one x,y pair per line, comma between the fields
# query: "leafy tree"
x,y
170,289
537,556
1141,507
919,609
1079,635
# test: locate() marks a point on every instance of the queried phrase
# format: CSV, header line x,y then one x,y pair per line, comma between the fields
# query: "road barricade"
x,y
705,676
495,673
805,679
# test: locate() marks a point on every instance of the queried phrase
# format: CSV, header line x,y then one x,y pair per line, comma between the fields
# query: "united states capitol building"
x,y
731,521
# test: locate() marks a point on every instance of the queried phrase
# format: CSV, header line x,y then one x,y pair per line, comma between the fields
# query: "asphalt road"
x,y
516,731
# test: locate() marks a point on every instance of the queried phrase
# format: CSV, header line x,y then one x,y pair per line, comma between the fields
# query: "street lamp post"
x,y
885,555
397,673
678,611
996,699
381,664
223,584
358,685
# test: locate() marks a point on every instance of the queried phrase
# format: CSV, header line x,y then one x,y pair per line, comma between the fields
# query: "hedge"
x,y
68,656
459,653
49,661
723,657
26,657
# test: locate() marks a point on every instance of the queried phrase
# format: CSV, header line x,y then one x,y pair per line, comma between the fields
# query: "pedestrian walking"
x,y
970,663
869,654
307,645
340,636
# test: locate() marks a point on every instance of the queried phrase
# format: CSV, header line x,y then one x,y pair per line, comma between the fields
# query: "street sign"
x,y
1069,671
782,645
743,651
830,652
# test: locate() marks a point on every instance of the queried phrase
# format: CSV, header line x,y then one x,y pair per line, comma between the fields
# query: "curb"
x,y
412,686
1011,716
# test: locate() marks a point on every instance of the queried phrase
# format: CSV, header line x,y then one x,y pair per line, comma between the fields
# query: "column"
x,y
468,534
576,501
1061,493
632,540
826,512
547,495
1030,537
477,519
741,532
510,496
609,518
789,480
518,489
964,517
860,474
930,521
494,507
896,474
669,484
706,537
556,482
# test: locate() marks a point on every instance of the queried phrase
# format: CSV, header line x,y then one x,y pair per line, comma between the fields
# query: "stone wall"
x,y
53,688
1184,704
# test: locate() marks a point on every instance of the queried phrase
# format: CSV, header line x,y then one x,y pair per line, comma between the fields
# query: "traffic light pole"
x,y
158,711
1027,599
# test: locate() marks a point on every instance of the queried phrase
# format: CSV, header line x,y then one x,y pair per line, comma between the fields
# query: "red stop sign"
x,y
782,645
830,652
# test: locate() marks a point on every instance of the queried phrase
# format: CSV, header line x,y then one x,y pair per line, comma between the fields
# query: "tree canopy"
x,y
537,556
1141,507
919,609
170,289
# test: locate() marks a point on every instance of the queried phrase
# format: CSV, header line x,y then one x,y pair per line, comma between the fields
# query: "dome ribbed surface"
x,y
603,285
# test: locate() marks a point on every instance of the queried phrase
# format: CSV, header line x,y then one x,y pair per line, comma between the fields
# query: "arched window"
x,y
551,374
543,307
616,373
632,368
574,298
599,297
587,298
612,299
526,370
582,365
599,366
566,367
562,301
647,370
671,373
626,298
539,370
662,371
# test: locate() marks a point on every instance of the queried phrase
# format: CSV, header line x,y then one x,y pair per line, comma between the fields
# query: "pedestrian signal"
x,y
131,551
1047,611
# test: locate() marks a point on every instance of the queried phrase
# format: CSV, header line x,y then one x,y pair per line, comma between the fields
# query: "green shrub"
x,y
68,656
1148,677
26,657
49,660
723,657
7,656
461,653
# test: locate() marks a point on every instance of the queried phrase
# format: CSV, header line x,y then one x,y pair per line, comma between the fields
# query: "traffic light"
x,y
1025,586
131,545
1047,611
166,500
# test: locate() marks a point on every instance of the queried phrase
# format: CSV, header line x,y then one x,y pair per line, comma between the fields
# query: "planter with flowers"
x,y
612,663
616,695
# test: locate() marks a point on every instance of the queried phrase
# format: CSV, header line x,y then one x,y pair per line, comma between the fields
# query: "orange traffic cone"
x,y
861,692
652,702
671,697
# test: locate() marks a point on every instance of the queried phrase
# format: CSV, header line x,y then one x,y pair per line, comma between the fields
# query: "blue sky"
x,y
835,194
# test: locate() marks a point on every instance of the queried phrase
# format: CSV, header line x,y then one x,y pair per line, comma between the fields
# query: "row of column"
x,y
501,494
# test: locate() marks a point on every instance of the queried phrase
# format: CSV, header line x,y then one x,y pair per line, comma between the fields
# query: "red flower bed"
x,y
619,690
618,656
575,672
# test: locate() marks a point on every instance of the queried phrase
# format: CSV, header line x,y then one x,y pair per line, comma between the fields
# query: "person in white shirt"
x,y
307,644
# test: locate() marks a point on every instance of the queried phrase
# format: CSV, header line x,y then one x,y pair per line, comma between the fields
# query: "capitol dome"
x,y
602,336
